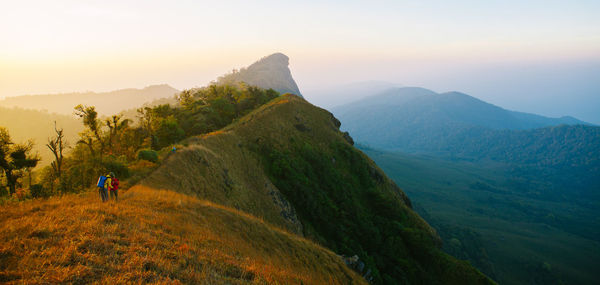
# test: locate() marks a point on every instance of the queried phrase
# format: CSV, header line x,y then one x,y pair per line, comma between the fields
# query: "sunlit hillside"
x,y
155,236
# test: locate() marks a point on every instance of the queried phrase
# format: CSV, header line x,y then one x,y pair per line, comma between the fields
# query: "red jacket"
x,y
115,184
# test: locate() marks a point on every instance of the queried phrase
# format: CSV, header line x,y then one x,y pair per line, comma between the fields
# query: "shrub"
x,y
148,154
119,167
168,132
38,191
3,191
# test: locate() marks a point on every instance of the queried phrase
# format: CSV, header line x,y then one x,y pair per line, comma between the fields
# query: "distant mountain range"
x,y
107,103
413,107
457,126
415,119
342,94
269,72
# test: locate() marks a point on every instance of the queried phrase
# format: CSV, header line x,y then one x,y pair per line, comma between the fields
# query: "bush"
x,y
148,154
3,191
38,191
113,164
168,132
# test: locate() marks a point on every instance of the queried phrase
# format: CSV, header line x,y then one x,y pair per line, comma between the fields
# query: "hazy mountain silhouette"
x,y
414,108
107,103
344,93
36,125
416,119
269,72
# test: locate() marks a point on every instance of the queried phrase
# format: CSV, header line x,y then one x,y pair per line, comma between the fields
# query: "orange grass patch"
x,y
154,236
215,133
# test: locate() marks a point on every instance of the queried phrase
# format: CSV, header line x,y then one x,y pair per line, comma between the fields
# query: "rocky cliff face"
x,y
269,72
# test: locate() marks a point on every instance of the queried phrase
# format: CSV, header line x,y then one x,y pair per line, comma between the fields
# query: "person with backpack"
x,y
114,190
102,188
108,185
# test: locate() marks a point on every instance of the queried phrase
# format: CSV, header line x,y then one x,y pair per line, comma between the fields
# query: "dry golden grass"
x,y
154,236
215,133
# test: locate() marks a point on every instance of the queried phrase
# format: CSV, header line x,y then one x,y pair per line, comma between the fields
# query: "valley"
x,y
511,236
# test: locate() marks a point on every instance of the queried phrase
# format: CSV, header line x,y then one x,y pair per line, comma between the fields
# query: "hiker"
x,y
101,188
108,185
114,190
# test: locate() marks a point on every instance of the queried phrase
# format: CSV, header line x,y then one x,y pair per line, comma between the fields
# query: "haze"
x,y
540,56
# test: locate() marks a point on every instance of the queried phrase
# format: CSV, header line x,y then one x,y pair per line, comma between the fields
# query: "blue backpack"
x,y
101,181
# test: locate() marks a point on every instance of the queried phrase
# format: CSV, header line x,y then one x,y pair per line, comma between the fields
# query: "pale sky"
x,y
511,53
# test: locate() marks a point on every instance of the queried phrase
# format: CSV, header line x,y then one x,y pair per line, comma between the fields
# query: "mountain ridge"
x,y
254,161
453,105
271,71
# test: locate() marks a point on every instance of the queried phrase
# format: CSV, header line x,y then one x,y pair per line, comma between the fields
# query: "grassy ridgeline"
x,y
290,153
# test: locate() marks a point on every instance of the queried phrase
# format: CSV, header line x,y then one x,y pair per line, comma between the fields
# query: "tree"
x,y
115,125
168,132
90,120
186,99
145,116
15,159
5,143
56,146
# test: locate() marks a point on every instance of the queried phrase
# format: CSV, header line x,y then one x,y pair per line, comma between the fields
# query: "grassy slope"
x,y
519,233
154,236
216,168
228,167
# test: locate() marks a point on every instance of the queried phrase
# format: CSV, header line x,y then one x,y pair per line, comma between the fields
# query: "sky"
x,y
533,56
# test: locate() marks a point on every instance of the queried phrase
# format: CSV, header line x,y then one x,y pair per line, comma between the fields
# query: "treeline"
x,y
119,145
565,157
